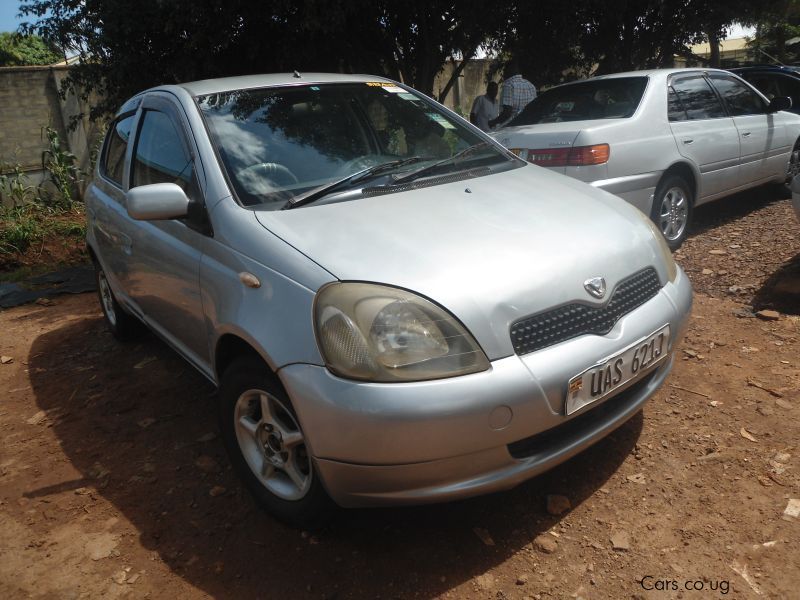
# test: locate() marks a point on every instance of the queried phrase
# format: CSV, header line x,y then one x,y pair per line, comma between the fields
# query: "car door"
x,y
105,203
704,133
762,143
164,272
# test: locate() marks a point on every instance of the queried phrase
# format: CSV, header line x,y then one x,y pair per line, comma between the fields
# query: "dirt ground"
x,y
113,481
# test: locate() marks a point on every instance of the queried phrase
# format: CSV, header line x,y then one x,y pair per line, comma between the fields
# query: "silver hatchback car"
x,y
395,308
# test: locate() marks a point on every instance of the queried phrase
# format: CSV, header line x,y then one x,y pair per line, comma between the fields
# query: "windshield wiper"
x,y
428,168
318,192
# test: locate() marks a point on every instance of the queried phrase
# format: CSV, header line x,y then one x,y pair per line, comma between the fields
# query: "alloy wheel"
x,y
673,213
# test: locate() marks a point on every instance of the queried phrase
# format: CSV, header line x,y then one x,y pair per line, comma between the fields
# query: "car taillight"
x,y
578,156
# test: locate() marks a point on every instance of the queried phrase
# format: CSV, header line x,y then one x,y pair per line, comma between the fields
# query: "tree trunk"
x,y
457,70
714,54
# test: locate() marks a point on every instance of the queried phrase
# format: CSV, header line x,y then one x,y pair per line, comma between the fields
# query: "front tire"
x,y
672,209
267,446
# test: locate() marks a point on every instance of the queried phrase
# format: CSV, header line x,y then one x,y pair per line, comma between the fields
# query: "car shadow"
x,y
713,214
781,291
139,425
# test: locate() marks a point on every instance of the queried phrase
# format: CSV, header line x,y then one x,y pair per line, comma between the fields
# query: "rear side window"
x,y
741,100
675,109
113,163
160,156
698,99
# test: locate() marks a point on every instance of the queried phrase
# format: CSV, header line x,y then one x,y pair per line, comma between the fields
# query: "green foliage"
x,y
19,228
20,50
778,26
14,185
62,172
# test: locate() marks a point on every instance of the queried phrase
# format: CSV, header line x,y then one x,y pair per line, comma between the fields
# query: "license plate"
x,y
599,381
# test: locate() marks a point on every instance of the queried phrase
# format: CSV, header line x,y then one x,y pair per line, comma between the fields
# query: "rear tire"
x,y
673,205
120,323
267,446
792,170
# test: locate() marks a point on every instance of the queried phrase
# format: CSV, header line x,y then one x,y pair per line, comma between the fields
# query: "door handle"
x,y
746,134
688,141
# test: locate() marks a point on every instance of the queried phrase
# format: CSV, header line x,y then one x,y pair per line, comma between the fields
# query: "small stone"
x,y
37,418
717,252
783,403
621,541
207,437
484,536
120,577
44,302
145,423
765,411
207,463
768,315
545,544
217,490
522,579
6,360
134,578
793,508
557,505
707,272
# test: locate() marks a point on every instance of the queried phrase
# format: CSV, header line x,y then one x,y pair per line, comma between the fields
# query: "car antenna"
x,y
296,75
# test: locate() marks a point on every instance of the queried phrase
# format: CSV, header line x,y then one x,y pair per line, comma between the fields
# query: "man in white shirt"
x,y
484,109
517,93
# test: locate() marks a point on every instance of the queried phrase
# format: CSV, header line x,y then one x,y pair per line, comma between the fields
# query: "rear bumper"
x,y
451,438
635,189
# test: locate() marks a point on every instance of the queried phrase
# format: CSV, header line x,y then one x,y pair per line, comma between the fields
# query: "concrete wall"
x,y
29,102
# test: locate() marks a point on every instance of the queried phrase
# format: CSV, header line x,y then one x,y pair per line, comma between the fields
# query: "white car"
x,y
665,140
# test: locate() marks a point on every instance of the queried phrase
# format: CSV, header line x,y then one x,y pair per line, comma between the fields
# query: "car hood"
x,y
491,250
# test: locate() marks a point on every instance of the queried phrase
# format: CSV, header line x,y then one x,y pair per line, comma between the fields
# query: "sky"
x,y
8,15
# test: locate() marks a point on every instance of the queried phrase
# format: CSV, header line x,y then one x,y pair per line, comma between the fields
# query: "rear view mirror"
x,y
780,103
157,201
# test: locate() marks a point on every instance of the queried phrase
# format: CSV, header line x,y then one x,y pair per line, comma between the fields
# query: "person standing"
x,y
517,93
484,109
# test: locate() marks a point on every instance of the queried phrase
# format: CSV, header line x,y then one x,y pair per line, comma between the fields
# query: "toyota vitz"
x,y
395,308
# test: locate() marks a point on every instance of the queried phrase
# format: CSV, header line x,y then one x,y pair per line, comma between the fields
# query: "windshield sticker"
x,y
440,120
390,87
407,96
565,106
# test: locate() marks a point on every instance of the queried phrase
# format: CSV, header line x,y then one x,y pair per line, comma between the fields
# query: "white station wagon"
x,y
665,140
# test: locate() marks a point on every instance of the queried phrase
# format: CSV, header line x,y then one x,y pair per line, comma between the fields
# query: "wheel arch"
x,y
688,172
233,345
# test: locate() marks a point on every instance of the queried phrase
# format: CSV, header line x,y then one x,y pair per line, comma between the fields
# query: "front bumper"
x,y
438,440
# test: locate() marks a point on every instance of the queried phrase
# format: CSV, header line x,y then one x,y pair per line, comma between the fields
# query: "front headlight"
x,y
378,333
666,253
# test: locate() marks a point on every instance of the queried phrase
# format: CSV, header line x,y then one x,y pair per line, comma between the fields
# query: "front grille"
x,y
566,322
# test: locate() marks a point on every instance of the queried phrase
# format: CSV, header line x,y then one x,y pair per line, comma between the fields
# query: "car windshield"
x,y
616,98
277,144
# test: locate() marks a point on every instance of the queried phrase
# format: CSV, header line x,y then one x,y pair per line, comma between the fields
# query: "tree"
x,y
19,50
776,27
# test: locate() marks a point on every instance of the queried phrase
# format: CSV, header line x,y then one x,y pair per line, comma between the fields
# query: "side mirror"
x,y
780,103
157,201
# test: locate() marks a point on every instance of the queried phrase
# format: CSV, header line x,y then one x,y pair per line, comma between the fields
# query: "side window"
x,y
113,161
765,83
789,86
675,109
159,155
741,100
698,99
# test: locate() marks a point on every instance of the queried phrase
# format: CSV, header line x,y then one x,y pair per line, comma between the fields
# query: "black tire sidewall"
x,y
655,213
311,511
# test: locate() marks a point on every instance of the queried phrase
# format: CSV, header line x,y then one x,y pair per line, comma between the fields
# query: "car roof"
x,y
788,69
225,84
659,72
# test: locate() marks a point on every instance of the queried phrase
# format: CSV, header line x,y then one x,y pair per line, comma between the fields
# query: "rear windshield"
x,y
616,98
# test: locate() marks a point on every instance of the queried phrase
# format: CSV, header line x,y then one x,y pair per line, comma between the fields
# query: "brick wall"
x,y
29,102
